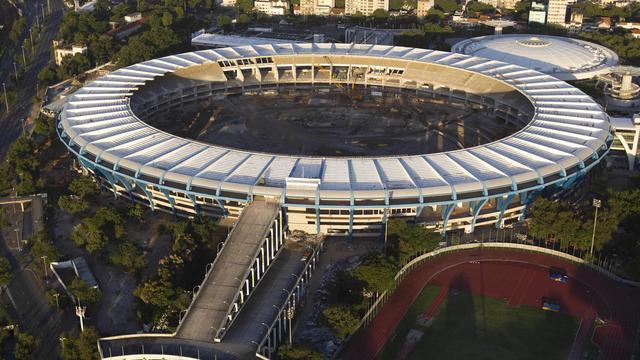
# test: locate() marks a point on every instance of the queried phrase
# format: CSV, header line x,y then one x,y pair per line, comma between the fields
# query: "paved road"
x,y
10,124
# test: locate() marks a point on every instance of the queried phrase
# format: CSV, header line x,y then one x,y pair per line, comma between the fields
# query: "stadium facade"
x,y
563,133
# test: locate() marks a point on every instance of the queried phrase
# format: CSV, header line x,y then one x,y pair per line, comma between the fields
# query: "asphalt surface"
x,y
484,271
11,123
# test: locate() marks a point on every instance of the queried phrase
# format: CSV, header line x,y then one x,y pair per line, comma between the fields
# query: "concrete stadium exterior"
x,y
563,133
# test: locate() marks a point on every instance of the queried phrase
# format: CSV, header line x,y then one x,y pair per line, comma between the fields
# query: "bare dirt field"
x,y
335,124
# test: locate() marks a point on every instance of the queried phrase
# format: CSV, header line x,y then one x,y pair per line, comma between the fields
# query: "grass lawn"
x,y
471,326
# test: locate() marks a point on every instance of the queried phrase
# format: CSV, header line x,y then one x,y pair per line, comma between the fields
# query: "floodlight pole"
x,y
6,100
44,265
597,203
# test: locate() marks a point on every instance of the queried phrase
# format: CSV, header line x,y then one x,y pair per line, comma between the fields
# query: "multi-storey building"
x,y
272,7
366,7
538,13
557,12
316,7
423,7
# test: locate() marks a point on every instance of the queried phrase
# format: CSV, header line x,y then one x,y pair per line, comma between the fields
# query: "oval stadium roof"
x,y
568,131
565,58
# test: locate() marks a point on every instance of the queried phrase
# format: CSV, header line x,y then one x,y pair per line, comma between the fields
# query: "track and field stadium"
x,y
556,134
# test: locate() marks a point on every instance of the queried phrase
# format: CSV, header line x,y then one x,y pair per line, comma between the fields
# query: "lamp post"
x,y
24,58
290,313
597,203
44,265
80,311
15,70
6,100
31,37
18,238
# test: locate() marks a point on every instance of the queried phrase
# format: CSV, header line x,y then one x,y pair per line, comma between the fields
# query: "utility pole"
x,y
596,204
80,311
290,313
6,100
33,51
44,265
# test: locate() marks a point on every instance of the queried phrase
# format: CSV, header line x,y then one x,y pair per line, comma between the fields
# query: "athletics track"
x,y
520,278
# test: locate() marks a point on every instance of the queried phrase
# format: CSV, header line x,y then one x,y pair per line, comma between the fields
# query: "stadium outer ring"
x,y
567,134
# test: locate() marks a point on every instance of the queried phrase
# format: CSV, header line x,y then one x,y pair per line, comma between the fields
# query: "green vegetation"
x,y
129,256
162,295
83,190
407,240
623,43
476,7
96,231
5,271
297,352
26,344
377,272
81,346
485,326
83,293
20,170
40,245
342,320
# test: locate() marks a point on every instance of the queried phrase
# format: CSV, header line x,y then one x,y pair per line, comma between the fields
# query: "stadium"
x,y
548,135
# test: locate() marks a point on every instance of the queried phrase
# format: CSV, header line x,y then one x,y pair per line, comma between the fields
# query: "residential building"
x,y
628,25
507,4
316,7
423,7
227,3
538,13
136,16
61,52
366,7
557,12
273,8
121,31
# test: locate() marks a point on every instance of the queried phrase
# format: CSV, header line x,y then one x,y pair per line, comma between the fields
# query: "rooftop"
x,y
565,58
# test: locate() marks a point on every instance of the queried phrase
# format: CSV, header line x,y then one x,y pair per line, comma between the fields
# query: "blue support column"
x,y
170,200
476,206
446,213
502,205
127,185
149,197
196,206
317,201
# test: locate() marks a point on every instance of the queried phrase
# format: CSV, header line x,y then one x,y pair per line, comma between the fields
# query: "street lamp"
x,y
289,314
24,59
44,265
15,69
6,100
18,238
597,203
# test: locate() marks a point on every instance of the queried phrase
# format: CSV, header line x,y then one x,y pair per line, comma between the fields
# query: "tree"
x,y
244,6
96,231
223,21
167,18
47,76
411,239
377,271
4,221
40,246
380,14
81,346
44,126
136,213
298,352
243,20
341,320
128,256
72,204
474,7
448,6
83,187
83,293
5,271
25,345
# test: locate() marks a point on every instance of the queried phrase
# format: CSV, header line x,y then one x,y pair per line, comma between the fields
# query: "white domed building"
x,y
562,57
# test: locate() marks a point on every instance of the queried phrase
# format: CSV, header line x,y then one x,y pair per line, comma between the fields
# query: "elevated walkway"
x,y
247,253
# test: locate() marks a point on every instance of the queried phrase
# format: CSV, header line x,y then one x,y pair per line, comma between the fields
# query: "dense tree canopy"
x,y
377,271
80,346
83,293
5,271
341,319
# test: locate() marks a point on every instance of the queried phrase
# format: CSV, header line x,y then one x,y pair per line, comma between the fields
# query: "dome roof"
x,y
565,58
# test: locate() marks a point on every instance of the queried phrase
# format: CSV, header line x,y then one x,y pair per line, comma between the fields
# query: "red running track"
x,y
519,278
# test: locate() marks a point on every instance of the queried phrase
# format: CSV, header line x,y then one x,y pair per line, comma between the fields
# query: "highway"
x,y
10,124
